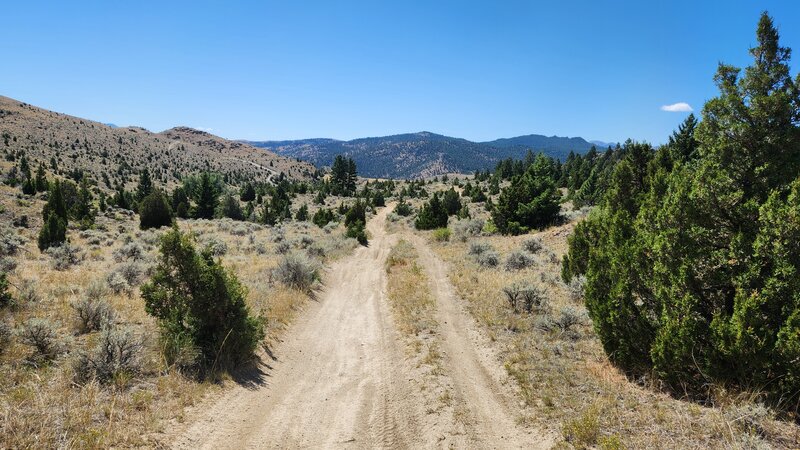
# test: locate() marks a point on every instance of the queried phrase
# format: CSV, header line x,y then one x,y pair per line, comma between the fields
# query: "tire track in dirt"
x,y
340,380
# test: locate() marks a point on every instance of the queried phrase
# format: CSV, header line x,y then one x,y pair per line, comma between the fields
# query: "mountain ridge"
x,y
424,153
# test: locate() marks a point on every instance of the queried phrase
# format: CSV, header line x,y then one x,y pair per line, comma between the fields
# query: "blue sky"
x,y
343,69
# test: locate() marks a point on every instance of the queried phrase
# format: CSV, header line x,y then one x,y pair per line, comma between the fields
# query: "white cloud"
x,y
677,107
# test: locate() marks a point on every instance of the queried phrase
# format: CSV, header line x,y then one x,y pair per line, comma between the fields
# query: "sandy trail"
x,y
341,379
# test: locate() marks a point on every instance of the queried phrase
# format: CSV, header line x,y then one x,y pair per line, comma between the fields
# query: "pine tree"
x,y
41,180
432,215
207,195
54,213
145,186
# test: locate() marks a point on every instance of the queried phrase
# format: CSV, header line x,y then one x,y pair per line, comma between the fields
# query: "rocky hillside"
x,y
110,154
423,154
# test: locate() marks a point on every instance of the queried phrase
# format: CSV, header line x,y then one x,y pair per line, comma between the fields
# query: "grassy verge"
x,y
413,306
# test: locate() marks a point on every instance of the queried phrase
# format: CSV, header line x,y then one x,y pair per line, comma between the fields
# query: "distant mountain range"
x,y
424,154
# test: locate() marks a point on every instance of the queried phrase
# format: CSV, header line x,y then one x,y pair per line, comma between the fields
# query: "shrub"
x,y
569,317
5,336
40,334
196,300
478,248
488,258
5,296
328,229
532,245
92,314
441,234
132,272
10,241
216,246
117,283
518,261
26,292
316,251
155,211
283,248
403,208
114,357
63,257
297,271
131,250
466,228
7,264
524,297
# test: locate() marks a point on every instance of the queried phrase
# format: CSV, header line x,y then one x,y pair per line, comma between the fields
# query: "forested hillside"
x,y
424,154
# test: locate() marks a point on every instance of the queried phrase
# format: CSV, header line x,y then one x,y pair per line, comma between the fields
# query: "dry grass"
x,y
42,405
565,379
414,310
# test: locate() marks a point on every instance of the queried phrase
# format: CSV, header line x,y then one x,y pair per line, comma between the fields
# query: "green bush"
x,y
403,208
5,297
432,215
154,211
356,231
441,234
323,216
196,300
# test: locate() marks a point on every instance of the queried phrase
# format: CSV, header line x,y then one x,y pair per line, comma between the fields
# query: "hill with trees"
x,y
424,154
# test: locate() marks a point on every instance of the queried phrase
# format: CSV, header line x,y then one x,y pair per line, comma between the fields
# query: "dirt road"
x,y
341,379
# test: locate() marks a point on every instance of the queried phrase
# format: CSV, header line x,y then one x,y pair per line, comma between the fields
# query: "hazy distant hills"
x,y
423,154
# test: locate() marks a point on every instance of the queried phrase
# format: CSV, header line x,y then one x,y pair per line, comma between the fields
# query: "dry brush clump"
x,y
297,271
115,357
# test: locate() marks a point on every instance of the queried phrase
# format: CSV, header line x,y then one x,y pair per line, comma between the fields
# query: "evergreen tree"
x,y
154,211
206,197
451,202
248,193
302,213
199,302
41,180
532,200
229,207
180,202
432,215
692,261
54,213
145,186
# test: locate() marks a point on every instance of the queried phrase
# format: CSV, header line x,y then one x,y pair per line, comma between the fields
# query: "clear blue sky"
x,y
343,69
